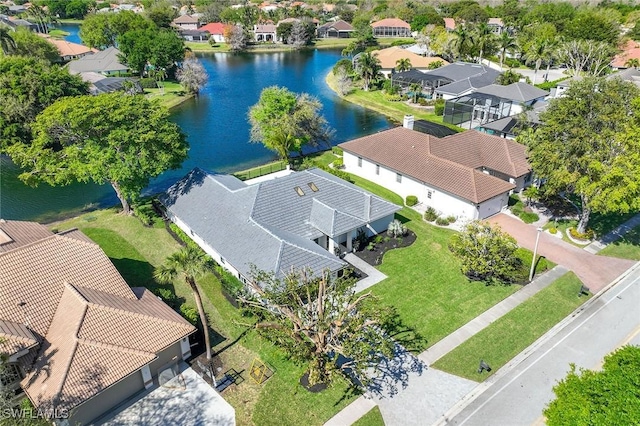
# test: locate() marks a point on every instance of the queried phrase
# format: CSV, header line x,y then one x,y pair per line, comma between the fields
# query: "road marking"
x,y
549,350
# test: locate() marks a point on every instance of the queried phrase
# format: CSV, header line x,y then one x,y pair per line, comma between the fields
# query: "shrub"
x,y
423,102
392,97
439,107
553,231
371,246
412,200
338,163
189,313
396,229
578,236
512,63
337,150
442,221
528,217
451,219
377,239
430,214
402,42
345,64
145,213
339,173
230,283
148,83
184,237
167,296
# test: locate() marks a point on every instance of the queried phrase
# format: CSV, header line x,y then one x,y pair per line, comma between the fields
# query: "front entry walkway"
x,y
373,275
594,271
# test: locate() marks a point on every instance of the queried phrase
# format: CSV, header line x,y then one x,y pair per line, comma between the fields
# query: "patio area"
x,y
186,399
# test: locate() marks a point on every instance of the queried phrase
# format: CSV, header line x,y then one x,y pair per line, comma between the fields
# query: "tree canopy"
x,y
285,122
607,397
487,253
31,45
27,87
150,47
588,144
192,75
322,322
101,30
121,139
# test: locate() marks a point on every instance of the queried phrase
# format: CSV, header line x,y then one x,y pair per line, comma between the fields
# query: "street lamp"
x,y
535,250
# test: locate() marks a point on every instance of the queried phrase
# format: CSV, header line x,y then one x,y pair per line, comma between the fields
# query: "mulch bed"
x,y
374,257
318,387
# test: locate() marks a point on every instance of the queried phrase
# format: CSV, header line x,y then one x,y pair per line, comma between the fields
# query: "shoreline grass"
x,y
515,331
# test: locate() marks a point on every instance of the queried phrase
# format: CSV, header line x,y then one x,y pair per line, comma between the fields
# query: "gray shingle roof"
x,y
520,92
101,62
268,224
465,76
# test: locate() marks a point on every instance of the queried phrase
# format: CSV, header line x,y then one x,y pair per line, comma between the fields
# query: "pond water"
x,y
215,124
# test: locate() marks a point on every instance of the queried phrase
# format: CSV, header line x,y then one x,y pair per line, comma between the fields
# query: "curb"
x,y
518,359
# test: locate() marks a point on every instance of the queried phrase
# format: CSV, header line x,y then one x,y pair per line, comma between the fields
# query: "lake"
x,y
215,124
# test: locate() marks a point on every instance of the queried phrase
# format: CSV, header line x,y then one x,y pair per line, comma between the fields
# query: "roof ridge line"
x,y
475,185
63,234
511,163
118,348
32,243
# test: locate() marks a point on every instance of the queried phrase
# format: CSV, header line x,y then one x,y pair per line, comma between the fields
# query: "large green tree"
x,y
27,87
319,319
610,396
101,30
30,45
192,264
588,144
157,49
368,68
7,43
117,138
161,12
486,253
285,121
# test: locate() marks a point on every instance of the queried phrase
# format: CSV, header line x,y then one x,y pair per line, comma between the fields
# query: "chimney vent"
x,y
407,123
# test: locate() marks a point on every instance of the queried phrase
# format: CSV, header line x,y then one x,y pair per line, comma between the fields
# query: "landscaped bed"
x,y
374,249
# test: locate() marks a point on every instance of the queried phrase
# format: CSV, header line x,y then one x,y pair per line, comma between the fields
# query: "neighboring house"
x,y
268,7
338,29
631,50
216,29
490,103
186,22
294,221
265,33
449,81
69,51
98,83
15,23
194,35
562,86
389,59
449,24
630,74
468,175
105,62
496,25
78,338
506,127
391,27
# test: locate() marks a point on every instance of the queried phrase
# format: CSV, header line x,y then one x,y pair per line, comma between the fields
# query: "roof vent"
x,y
4,238
299,191
313,187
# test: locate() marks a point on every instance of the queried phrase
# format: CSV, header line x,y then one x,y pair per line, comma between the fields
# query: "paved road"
x,y
519,396
594,271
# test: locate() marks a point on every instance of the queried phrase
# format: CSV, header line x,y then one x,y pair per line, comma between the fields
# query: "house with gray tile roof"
x,y
295,221
106,62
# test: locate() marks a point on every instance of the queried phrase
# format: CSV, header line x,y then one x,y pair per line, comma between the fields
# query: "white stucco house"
x,y
294,221
468,175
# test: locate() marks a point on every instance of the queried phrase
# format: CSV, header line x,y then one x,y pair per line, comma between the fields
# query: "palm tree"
x,y
42,17
159,75
403,64
506,43
462,40
368,67
7,44
192,263
631,63
536,53
484,40
416,89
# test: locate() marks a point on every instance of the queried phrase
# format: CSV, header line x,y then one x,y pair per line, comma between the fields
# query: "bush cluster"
x,y
518,210
579,236
442,221
148,83
396,229
430,214
337,150
338,163
411,200
339,173
438,107
392,97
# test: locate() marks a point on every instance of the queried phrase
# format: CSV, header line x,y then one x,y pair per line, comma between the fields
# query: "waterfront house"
x,y
296,221
186,22
389,59
467,175
78,339
265,33
216,29
105,62
391,27
337,29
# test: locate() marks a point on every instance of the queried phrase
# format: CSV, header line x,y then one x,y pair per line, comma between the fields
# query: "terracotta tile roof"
x,y
389,57
449,23
67,48
631,50
20,233
215,28
391,22
93,329
410,153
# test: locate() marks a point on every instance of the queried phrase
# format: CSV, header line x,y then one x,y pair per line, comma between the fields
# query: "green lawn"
x,y
375,100
511,334
344,42
195,46
628,247
274,166
171,95
56,33
135,250
372,418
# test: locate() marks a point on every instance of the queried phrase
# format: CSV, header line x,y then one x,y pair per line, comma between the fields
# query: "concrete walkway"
x,y
614,235
594,271
374,276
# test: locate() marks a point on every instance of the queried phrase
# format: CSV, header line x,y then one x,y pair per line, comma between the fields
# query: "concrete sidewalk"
x,y
614,235
373,275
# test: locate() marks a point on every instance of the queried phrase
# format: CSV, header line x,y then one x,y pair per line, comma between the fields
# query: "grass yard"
x,y
628,247
135,250
265,169
375,100
511,334
171,95
195,46
372,418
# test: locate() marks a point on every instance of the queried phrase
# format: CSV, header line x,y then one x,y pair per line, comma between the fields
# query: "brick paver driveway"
x,y
594,271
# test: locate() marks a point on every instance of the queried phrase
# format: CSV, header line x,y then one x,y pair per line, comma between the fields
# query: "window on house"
x,y
398,178
299,191
313,187
359,161
527,178
377,169
429,194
